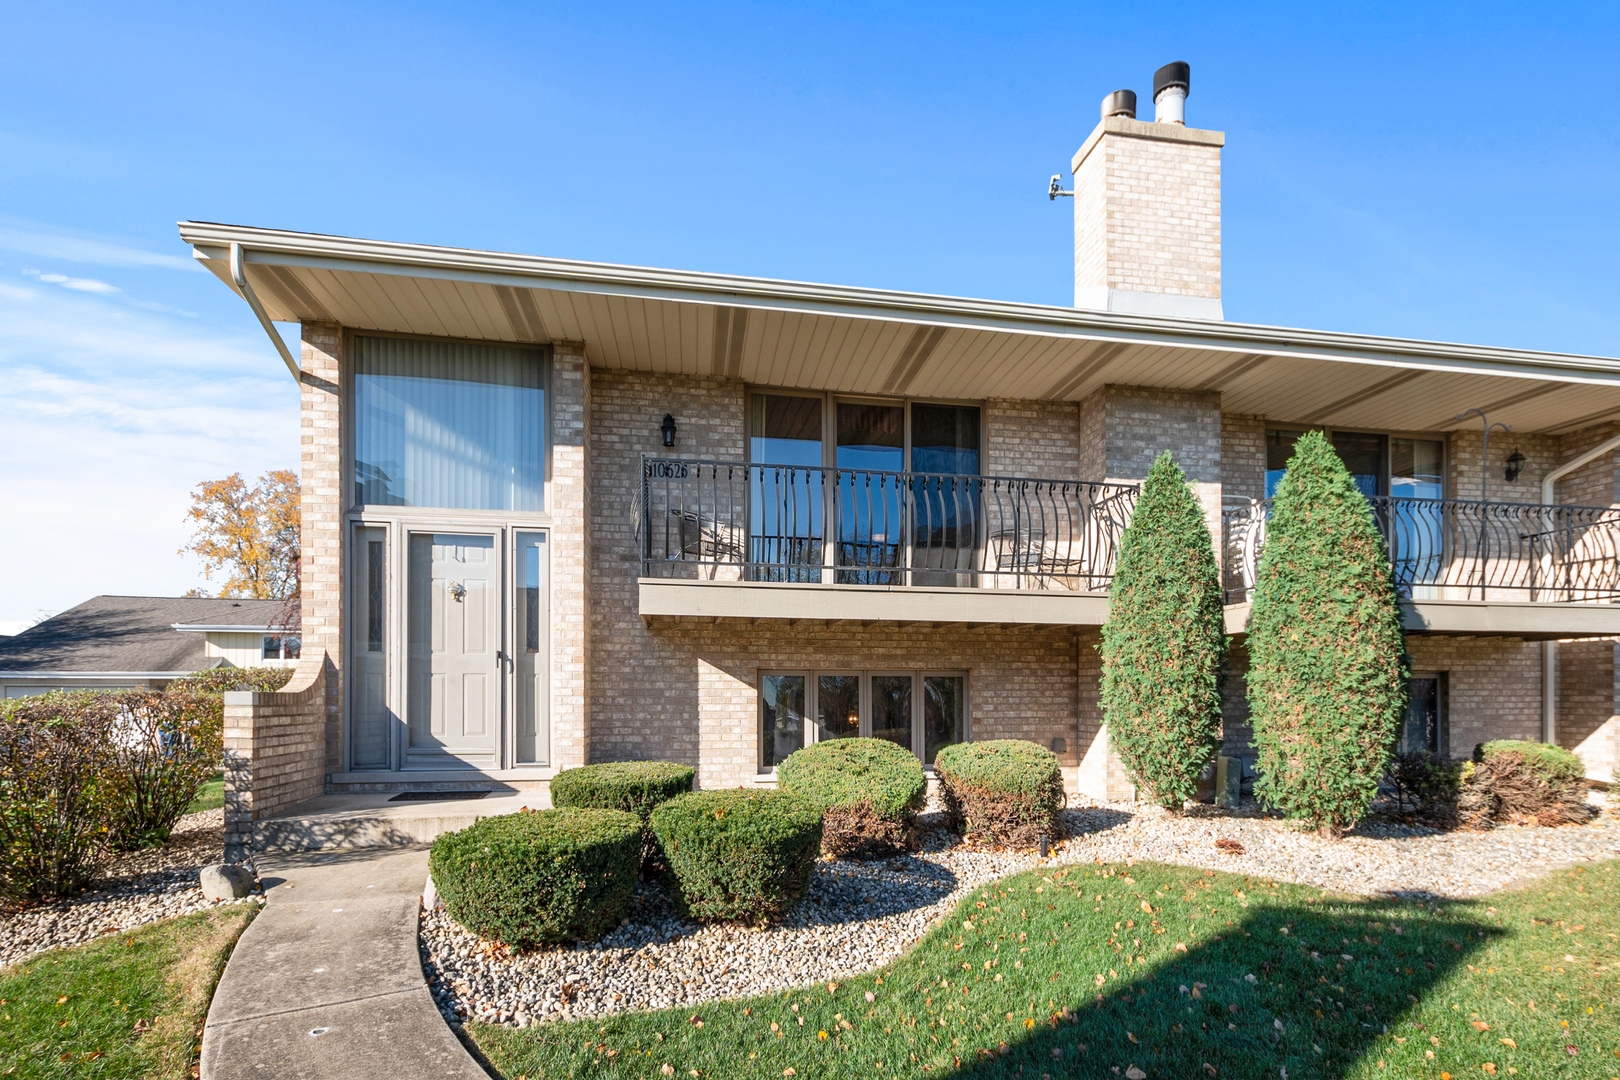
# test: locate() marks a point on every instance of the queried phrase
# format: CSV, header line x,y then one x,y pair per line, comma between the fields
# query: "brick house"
x,y
558,512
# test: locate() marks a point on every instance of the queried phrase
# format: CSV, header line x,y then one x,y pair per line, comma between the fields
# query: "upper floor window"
x,y
865,435
449,424
1379,464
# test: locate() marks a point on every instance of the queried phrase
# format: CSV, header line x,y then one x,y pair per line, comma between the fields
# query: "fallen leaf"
x,y
870,996
1489,1068
667,1069
790,1071
1133,1073
1510,1044
1480,1025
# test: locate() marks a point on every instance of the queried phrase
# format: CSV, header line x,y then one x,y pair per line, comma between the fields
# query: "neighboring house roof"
x,y
136,635
861,340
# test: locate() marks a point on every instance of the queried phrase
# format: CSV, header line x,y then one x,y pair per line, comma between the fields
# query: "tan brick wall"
x,y
1589,705
641,704
571,540
322,498
274,750
1124,428
1037,439
698,691
1596,483
1147,211
1243,456
1493,686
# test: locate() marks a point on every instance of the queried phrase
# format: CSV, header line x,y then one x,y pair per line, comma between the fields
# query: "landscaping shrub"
x,y
1427,784
218,680
869,790
1531,780
56,761
743,856
1165,641
539,875
1006,791
635,787
164,746
1327,672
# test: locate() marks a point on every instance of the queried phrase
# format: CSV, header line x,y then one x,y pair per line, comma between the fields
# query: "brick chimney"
x,y
1147,208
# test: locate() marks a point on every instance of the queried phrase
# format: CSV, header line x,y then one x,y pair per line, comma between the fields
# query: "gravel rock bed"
x,y
857,916
133,889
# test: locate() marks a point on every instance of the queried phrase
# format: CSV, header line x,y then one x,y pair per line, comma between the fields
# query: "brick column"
x,y
570,556
322,501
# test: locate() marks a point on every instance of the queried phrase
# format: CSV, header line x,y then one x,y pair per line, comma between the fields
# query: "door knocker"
x,y
458,591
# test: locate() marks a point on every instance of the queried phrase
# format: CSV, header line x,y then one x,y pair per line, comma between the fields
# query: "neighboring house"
x,y
557,512
127,642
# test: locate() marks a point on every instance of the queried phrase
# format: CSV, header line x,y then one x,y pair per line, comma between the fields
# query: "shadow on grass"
x,y
1301,989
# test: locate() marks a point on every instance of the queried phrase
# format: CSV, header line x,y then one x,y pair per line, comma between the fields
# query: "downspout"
x,y
1549,649
239,276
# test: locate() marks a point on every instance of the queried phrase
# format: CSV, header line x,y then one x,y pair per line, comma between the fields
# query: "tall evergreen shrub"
x,y
1327,678
1164,642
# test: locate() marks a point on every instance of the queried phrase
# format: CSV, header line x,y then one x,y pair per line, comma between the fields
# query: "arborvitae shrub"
x,y
539,875
869,789
1164,642
1004,791
742,856
1327,672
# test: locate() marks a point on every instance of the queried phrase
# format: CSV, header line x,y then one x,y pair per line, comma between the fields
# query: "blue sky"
x,y
1440,171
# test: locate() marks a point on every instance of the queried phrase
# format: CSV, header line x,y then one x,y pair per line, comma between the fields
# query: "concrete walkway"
x,y
327,981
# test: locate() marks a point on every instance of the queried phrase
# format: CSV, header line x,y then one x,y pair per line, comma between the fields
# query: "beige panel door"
x,y
454,696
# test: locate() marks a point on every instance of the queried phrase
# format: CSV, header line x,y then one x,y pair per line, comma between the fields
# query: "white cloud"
x,y
32,239
79,284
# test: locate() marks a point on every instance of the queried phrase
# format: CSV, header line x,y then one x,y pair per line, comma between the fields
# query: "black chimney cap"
x,y
1176,73
1120,103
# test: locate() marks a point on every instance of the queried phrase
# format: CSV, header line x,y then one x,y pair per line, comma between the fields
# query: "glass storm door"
x,y
454,664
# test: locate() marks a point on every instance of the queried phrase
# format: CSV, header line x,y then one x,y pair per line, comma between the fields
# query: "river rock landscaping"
x,y
859,915
133,889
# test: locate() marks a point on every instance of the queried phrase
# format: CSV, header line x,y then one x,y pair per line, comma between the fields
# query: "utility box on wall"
x,y
1228,781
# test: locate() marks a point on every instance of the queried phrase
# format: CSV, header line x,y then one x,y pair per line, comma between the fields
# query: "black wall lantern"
x,y
1514,466
668,428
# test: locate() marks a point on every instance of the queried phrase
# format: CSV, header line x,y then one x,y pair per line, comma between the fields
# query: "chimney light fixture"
x,y
668,428
1514,466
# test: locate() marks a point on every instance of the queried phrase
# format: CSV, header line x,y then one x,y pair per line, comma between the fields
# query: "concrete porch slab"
x,y
371,820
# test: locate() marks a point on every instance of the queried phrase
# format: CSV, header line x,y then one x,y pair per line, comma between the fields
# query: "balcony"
x,y
723,538
1463,566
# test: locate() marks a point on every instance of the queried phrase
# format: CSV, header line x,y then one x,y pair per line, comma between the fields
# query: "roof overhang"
x,y
858,340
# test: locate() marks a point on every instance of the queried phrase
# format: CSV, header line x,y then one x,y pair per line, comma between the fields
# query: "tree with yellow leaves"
x,y
249,532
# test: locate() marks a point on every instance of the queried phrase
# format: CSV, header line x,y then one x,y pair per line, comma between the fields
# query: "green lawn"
x,y
1080,972
211,796
122,1007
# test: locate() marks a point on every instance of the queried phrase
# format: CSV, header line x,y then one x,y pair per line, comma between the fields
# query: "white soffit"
x,y
854,340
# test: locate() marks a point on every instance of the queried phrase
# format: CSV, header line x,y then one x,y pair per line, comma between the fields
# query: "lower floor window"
x,y
1425,725
919,710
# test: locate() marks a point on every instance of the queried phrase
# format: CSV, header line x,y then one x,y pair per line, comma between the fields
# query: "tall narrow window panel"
x,y
449,425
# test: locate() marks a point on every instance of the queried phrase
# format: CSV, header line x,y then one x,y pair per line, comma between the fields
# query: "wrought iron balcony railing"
x,y
790,523
1453,549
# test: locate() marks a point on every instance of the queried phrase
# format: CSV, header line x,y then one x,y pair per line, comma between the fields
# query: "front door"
x,y
454,667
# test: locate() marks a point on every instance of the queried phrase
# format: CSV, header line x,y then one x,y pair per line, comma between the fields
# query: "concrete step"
x,y
370,820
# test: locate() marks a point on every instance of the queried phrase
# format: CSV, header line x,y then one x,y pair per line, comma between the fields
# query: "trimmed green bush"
x,y
1165,641
1327,679
539,875
1005,791
869,790
1531,780
743,856
635,787
219,680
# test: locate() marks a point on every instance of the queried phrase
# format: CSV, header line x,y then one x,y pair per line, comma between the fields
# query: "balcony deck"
x,y
734,540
